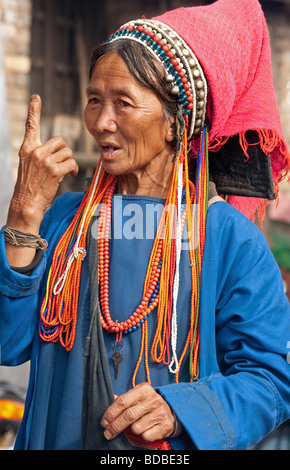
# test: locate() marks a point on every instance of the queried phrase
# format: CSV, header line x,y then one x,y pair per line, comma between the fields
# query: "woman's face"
x,y
125,118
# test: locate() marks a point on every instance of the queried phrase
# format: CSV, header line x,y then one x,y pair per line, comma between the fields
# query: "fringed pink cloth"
x,y
231,40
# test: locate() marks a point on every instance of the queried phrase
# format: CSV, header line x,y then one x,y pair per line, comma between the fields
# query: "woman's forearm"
x,y
42,167
23,220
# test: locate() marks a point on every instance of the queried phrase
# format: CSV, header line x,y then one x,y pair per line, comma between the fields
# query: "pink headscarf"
x,y
231,41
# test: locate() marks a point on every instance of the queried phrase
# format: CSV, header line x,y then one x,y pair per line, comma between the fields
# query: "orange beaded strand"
x,y
58,315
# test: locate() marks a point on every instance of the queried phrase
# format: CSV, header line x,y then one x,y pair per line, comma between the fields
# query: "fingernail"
x,y
108,435
34,98
104,423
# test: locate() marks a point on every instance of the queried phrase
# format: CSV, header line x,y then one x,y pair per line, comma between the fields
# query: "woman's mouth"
x,y
108,151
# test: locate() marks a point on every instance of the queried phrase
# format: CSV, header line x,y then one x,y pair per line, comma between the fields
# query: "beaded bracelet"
x,y
16,238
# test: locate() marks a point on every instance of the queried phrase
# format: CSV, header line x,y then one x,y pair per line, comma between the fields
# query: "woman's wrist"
x,y
28,270
24,218
178,427
23,239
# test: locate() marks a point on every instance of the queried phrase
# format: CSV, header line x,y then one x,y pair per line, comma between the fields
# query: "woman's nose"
x,y
105,120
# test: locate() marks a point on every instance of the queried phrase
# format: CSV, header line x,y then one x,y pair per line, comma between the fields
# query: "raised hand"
x,y
42,167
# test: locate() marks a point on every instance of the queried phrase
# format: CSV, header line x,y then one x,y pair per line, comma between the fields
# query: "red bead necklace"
x,y
150,295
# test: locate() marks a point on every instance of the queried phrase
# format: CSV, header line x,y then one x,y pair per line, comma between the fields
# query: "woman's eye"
x,y
93,100
124,103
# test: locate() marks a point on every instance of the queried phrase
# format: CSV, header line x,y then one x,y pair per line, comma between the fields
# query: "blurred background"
x,y
45,48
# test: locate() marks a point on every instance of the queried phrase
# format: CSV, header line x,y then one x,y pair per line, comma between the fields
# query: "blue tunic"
x,y
243,391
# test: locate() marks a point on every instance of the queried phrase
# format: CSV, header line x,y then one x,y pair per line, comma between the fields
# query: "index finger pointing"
x,y
32,126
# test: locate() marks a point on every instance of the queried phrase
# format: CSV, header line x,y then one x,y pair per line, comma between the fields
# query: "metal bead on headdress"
x,y
184,74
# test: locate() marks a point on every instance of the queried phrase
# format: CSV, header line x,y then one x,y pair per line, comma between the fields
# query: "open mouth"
x,y
108,150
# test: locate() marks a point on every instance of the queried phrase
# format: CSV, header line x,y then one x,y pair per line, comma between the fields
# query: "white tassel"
x,y
58,287
174,360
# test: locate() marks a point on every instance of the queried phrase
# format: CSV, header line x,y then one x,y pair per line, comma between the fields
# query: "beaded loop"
x,y
184,74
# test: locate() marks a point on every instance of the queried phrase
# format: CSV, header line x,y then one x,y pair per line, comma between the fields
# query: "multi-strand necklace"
x,y
161,283
150,298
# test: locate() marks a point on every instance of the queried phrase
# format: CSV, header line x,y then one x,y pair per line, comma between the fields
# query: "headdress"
x,y
183,71
217,60
230,38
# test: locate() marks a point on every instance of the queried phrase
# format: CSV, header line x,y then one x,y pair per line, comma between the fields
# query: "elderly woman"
x,y
152,310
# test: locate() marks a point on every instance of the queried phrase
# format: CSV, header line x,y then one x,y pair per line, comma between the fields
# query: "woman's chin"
x,y
111,168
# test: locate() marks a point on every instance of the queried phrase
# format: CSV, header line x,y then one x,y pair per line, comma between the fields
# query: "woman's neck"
x,y
153,181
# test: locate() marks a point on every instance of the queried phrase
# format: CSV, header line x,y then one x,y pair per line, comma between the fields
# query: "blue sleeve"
x,y
249,396
19,293
18,306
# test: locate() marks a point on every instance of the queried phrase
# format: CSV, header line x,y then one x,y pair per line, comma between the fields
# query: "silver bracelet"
x,y
16,238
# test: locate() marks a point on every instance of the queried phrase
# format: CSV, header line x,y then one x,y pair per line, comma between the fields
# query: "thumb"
x,y
32,126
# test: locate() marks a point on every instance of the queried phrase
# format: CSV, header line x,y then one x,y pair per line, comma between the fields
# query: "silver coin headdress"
x,y
184,73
